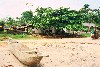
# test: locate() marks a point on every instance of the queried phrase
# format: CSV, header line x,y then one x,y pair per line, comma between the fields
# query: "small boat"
x,y
25,55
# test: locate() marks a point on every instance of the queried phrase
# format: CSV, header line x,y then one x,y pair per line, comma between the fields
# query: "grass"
x,y
86,35
18,36
26,36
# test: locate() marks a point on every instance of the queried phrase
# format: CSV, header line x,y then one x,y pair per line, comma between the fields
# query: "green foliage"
x,y
2,23
10,21
45,18
27,17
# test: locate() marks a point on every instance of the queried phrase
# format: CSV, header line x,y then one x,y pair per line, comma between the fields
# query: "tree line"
x,y
58,18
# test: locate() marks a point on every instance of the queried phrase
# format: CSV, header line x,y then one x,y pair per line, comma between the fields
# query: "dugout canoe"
x,y
26,56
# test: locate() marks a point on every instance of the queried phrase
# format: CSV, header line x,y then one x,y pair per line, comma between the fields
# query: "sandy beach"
x,y
66,52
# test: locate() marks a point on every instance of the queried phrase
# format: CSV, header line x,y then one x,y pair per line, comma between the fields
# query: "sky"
x,y
14,8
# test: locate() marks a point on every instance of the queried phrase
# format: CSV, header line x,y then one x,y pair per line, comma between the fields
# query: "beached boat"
x,y
25,55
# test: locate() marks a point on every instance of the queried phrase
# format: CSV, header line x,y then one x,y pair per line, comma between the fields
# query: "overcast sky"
x,y
13,8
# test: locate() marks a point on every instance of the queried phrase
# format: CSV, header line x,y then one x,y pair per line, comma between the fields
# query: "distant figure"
x,y
95,33
92,33
62,33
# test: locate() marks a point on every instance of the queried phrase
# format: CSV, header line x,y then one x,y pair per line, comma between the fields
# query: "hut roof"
x,y
89,24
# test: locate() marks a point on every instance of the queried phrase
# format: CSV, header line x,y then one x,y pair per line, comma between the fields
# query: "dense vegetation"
x,y
57,18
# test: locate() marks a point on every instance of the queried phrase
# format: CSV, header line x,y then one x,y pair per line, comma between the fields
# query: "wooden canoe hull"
x,y
27,57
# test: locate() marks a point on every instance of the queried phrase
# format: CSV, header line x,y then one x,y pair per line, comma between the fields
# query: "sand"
x,y
66,52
